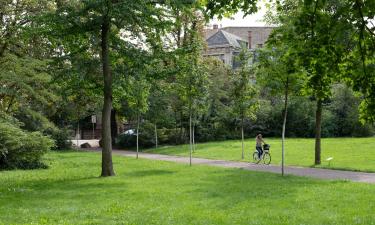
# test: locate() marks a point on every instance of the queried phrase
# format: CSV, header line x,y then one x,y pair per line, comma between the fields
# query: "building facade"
x,y
225,43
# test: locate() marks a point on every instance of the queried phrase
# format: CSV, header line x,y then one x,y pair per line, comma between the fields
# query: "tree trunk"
x,y
77,134
107,166
176,127
156,136
284,125
137,134
190,136
242,138
318,131
193,138
114,131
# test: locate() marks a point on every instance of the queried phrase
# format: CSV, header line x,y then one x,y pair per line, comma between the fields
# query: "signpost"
x,y
93,121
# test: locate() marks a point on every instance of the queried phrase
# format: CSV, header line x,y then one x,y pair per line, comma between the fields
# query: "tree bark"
x,y
190,136
107,166
242,137
137,134
114,131
284,125
156,136
193,138
318,130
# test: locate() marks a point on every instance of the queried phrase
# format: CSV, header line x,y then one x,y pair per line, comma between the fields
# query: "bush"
x,y
21,149
147,137
61,138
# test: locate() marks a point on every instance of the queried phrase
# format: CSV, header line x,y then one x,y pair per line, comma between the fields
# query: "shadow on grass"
x,y
143,173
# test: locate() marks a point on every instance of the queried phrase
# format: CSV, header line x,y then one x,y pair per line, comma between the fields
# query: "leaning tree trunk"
x,y
283,132
190,136
156,136
318,131
137,134
242,137
107,166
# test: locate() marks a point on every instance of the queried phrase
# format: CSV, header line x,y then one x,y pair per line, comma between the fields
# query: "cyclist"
x,y
259,141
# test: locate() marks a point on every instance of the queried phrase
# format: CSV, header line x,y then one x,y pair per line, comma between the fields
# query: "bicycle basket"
x,y
266,147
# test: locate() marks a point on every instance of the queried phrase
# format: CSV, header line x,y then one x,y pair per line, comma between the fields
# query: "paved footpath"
x,y
292,170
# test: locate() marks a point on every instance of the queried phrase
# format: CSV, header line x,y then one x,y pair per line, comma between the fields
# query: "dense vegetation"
x,y
155,192
140,62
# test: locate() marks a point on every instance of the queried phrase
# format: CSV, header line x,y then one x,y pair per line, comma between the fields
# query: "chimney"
x,y
249,38
215,26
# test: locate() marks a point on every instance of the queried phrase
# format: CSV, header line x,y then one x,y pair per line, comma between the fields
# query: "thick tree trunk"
x,y
156,136
137,134
190,137
114,132
107,166
283,131
318,130
242,138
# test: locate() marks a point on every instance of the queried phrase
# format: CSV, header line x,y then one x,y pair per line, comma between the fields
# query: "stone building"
x,y
225,43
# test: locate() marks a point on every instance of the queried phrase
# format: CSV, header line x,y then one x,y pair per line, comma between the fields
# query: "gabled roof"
x,y
224,38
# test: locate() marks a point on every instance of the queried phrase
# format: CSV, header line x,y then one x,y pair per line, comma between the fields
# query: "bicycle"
x,y
266,156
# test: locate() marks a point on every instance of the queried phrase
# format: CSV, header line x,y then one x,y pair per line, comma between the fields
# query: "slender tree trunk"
x,y
137,134
242,138
107,166
190,136
181,129
77,134
284,125
193,137
176,127
156,136
318,131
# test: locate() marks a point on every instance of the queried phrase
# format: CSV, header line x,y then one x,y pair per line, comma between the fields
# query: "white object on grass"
x,y
329,160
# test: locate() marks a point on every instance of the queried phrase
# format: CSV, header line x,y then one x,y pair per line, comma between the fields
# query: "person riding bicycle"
x,y
259,141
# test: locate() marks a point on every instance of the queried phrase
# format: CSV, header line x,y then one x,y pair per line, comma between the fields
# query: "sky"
x,y
238,20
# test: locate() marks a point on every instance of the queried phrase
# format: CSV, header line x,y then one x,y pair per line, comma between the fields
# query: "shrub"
x,y
61,138
21,149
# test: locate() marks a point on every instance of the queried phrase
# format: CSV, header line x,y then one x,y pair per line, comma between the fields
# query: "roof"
x,y
224,38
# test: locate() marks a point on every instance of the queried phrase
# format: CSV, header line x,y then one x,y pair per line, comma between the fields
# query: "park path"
x,y
289,170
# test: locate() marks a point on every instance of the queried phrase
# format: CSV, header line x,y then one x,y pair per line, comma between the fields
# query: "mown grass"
x,y
155,192
348,153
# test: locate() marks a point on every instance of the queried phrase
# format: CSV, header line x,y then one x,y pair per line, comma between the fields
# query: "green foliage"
x,y
22,149
244,91
146,137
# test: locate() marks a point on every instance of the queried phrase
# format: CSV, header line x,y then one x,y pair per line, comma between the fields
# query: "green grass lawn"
x,y
347,153
155,192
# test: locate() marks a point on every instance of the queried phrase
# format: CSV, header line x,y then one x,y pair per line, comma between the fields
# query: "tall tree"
x,y
277,72
113,23
244,91
313,32
192,78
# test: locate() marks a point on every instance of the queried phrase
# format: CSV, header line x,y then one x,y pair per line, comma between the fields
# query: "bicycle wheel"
x,y
266,158
256,159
